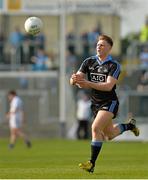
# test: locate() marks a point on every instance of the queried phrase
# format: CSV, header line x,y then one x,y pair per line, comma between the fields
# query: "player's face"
x,y
103,48
10,97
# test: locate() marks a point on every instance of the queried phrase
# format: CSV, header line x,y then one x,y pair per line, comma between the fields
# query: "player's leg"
x,y
113,130
13,137
100,122
21,134
130,125
13,134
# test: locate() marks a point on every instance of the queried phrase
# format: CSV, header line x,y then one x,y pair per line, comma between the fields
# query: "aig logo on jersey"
x,y
98,77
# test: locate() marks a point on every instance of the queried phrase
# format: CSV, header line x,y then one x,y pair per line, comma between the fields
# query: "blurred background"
x,y
69,35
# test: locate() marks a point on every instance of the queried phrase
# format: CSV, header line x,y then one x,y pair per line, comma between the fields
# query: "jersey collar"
x,y
109,58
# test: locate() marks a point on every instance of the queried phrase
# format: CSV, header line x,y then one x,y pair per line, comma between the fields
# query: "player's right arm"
x,y
80,75
75,77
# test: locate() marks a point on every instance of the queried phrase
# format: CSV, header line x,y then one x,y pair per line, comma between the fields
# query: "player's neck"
x,y
102,58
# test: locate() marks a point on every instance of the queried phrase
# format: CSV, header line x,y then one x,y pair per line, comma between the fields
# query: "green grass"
x,y
59,159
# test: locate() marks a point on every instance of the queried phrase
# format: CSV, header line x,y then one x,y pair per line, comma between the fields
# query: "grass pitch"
x,y
59,159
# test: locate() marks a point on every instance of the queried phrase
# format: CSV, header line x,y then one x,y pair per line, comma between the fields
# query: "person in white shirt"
x,y
83,116
16,119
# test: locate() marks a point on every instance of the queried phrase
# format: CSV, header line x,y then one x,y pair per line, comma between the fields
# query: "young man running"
x,y
102,75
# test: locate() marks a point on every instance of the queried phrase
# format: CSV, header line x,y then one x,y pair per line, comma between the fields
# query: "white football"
x,y
33,25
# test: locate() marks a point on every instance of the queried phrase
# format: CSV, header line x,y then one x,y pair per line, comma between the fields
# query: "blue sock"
x,y
125,127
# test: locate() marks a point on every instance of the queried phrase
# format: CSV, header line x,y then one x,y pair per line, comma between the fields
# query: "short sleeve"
x,y
115,70
84,67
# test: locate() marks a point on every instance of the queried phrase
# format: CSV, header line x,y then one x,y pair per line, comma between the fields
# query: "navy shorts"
x,y
111,106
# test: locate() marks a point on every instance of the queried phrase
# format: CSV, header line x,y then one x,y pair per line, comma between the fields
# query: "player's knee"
x,y
110,136
14,132
96,130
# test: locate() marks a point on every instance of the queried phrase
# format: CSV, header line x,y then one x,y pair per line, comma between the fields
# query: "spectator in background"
x,y
28,48
143,87
40,61
40,41
85,45
23,80
70,39
2,46
144,32
143,82
16,39
83,116
144,57
71,62
16,119
26,51
51,63
92,38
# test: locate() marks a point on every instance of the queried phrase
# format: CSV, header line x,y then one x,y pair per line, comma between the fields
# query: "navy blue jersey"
x,y
98,71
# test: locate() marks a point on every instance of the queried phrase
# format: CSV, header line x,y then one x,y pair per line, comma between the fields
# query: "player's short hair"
x,y
106,38
12,92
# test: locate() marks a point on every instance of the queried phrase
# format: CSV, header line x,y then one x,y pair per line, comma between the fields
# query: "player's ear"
x,y
110,47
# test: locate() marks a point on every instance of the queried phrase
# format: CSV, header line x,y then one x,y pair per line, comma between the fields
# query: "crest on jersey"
x,y
102,69
91,68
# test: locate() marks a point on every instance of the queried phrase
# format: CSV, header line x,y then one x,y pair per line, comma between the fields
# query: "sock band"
x,y
121,128
96,143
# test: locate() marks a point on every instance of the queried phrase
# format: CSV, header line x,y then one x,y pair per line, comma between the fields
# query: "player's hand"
x,y
73,79
82,83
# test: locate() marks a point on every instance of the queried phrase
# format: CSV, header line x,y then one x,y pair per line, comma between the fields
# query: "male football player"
x,y
102,73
